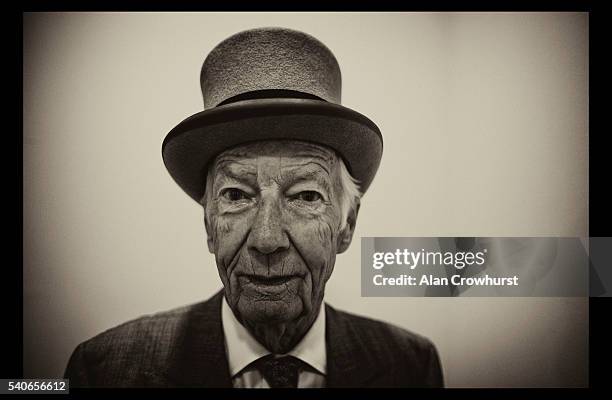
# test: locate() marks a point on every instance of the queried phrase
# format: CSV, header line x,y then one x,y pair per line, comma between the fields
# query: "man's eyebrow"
x,y
302,174
236,170
318,160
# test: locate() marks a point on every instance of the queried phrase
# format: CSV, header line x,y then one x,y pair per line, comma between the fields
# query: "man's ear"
x,y
346,234
209,239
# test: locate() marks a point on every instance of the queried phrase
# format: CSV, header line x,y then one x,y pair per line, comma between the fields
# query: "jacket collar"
x,y
198,357
351,362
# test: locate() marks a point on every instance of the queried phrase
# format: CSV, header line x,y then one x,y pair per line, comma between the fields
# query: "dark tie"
x,y
281,372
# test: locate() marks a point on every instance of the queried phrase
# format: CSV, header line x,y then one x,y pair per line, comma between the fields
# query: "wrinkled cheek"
x,y
230,237
328,249
316,245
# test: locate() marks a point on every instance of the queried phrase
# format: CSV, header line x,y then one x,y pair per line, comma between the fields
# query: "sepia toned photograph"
x,y
203,192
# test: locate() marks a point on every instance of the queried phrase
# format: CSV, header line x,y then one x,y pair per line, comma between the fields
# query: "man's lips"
x,y
269,287
263,280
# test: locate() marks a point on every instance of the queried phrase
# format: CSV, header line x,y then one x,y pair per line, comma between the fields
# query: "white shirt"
x,y
242,349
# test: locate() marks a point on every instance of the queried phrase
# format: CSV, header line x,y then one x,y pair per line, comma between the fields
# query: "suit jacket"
x,y
185,348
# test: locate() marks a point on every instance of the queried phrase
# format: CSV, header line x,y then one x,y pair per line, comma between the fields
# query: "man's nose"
x,y
267,233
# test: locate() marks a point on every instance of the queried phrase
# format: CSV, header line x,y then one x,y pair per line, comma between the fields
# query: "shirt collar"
x,y
242,348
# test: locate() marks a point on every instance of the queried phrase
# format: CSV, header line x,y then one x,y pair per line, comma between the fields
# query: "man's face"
x,y
273,217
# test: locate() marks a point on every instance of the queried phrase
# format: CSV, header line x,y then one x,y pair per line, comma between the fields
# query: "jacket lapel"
x,y
198,358
350,363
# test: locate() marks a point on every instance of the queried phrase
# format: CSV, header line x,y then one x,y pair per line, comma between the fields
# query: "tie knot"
x,y
280,372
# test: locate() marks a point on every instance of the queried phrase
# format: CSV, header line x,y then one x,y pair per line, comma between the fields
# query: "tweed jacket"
x,y
185,348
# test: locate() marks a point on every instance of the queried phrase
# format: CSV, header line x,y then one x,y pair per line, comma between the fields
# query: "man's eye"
x,y
234,194
308,196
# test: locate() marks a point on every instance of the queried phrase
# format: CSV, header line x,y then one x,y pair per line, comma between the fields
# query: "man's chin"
x,y
269,311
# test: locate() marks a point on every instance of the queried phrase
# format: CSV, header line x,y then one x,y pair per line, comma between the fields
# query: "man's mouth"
x,y
261,280
269,287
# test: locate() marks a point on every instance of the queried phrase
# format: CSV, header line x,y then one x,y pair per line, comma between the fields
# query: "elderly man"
x,y
279,167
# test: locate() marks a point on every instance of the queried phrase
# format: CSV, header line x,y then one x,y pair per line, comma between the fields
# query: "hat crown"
x,y
262,61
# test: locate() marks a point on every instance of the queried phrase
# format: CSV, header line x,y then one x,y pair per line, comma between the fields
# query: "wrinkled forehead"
x,y
288,152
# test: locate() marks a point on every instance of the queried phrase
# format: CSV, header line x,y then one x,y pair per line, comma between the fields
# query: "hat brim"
x,y
196,141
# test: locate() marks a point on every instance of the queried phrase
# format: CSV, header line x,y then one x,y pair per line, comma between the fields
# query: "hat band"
x,y
269,94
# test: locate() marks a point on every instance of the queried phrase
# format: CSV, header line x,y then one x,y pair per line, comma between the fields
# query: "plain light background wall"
x,y
484,118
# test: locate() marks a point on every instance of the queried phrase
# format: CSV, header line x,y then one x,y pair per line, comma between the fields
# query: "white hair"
x,y
349,196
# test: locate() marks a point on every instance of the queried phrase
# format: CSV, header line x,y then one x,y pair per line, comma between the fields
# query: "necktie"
x,y
280,372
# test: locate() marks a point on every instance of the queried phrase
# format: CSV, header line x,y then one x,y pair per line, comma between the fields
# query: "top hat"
x,y
270,83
